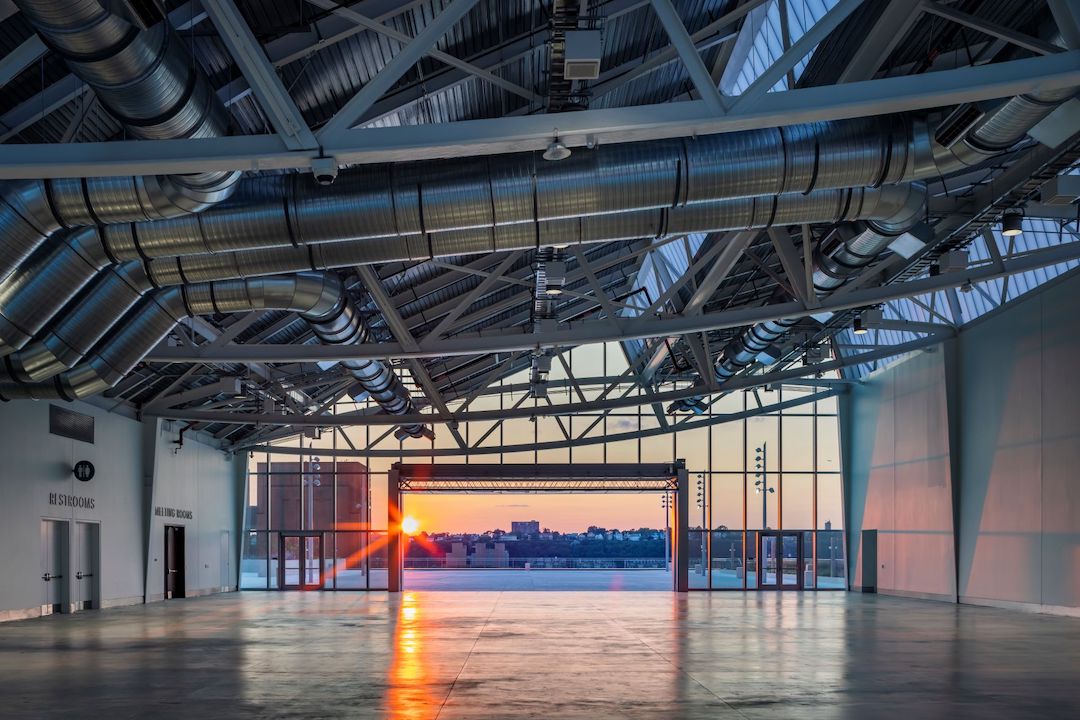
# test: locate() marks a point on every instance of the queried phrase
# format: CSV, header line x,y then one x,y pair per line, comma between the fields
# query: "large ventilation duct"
x,y
121,286
408,202
988,135
147,80
830,272
888,204
320,299
415,211
964,139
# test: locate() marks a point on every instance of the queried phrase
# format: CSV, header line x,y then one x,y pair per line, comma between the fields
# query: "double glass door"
x,y
300,564
780,560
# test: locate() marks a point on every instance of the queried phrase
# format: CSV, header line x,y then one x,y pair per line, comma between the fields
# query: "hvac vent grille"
x,y
66,423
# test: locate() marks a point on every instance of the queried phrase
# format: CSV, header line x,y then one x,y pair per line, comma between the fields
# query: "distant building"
x,y
484,555
490,555
525,528
458,557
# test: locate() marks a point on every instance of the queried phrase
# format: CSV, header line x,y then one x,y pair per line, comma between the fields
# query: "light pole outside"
x,y
312,480
761,485
665,503
701,504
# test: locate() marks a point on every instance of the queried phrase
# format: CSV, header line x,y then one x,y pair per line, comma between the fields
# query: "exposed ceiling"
x,y
302,82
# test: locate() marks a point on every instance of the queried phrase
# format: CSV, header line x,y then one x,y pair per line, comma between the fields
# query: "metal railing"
x,y
541,563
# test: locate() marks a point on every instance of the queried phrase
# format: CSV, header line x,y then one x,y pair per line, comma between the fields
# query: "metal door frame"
x,y
779,535
64,606
540,478
181,571
95,592
321,584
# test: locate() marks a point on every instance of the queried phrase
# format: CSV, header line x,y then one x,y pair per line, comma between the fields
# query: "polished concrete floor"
x,y
512,579
513,655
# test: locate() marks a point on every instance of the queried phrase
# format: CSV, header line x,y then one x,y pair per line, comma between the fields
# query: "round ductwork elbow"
x,y
910,212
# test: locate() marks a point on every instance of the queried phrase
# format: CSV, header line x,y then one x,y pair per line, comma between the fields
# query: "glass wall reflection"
x,y
755,470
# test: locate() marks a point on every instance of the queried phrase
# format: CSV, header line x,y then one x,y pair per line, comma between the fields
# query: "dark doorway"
x,y
87,564
174,562
300,564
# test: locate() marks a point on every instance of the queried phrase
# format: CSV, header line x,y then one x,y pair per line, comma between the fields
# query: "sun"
x,y
410,525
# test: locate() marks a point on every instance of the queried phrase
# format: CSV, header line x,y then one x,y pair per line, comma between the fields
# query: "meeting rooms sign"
x,y
173,513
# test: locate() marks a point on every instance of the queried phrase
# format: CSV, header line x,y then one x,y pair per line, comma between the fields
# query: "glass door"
x,y
780,561
300,562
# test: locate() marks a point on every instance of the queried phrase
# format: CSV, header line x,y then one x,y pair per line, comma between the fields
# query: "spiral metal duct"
x,y
147,80
121,286
991,134
830,272
405,203
320,299
415,211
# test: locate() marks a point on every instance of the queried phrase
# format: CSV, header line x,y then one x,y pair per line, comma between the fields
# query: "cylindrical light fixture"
x,y
1012,223
858,328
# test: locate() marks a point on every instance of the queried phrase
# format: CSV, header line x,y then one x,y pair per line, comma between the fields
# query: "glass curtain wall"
x,y
308,521
333,483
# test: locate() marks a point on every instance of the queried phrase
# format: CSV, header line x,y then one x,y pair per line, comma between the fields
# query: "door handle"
x,y
46,577
80,575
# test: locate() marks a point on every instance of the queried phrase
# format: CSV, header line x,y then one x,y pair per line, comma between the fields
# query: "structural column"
x,y
681,535
393,533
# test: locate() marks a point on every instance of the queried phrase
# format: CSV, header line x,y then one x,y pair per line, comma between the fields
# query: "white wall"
x,y
899,478
201,479
998,411
1020,452
36,463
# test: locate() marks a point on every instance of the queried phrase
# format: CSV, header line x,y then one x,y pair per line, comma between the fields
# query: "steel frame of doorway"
x,y
543,478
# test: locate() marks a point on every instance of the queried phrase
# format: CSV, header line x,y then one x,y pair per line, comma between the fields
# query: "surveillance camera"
x,y
325,170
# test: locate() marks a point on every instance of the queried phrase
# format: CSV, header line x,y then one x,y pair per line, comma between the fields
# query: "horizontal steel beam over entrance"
x,y
540,478
532,478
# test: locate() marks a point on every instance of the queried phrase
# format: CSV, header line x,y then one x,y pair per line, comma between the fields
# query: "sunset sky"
x,y
564,513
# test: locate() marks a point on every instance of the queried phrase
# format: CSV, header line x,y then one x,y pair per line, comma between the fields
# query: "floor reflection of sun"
x,y
410,696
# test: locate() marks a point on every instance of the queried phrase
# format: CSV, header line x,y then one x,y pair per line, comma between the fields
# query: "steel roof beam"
x,y
405,337
21,58
894,23
986,27
790,57
691,60
1067,17
600,405
604,330
480,137
718,30
248,54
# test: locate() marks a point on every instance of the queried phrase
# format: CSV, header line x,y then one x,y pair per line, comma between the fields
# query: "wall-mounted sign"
x,y
74,501
173,513
84,470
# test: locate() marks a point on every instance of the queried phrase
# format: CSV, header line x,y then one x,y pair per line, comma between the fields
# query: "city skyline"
x,y
561,513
